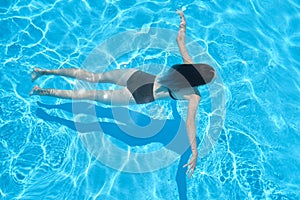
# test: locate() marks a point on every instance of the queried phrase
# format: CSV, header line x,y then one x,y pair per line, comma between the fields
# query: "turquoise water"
x,y
254,46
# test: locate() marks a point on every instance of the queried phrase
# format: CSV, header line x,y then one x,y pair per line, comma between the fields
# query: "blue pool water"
x,y
255,48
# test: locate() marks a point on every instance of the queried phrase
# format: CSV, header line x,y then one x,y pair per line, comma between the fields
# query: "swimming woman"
x,y
180,83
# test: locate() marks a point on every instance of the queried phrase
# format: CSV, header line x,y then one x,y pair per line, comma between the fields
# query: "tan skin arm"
x,y
194,101
180,40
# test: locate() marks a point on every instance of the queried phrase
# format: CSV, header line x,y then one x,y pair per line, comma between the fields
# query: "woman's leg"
x,y
110,97
118,76
68,72
180,40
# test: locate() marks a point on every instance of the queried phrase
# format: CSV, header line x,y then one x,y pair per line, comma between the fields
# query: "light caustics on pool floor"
x,y
256,47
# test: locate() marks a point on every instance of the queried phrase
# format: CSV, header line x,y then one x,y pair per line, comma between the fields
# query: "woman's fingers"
x,y
187,164
191,166
191,173
179,12
189,169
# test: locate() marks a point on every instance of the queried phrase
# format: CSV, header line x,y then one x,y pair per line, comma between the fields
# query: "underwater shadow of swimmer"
x,y
180,144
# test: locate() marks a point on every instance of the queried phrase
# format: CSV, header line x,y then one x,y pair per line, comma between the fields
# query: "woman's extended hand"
x,y
191,164
180,12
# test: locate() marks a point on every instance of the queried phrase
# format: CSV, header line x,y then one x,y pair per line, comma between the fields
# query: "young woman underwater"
x,y
180,83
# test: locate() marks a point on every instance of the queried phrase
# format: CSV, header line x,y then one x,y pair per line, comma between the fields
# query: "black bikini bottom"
x,y
140,84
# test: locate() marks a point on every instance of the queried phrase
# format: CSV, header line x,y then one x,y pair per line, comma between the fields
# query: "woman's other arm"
x,y
194,101
180,40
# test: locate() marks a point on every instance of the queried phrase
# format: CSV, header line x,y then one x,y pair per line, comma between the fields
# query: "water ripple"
x,y
256,43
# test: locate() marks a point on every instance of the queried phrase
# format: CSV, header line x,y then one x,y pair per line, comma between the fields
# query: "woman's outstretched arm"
x,y
180,40
191,131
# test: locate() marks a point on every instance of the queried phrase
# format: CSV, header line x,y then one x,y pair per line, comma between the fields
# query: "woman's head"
x,y
187,75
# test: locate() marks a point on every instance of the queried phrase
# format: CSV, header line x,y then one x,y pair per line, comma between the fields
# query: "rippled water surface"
x,y
255,46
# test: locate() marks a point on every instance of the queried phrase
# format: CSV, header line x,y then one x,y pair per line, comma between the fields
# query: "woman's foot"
x,y
35,90
36,73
